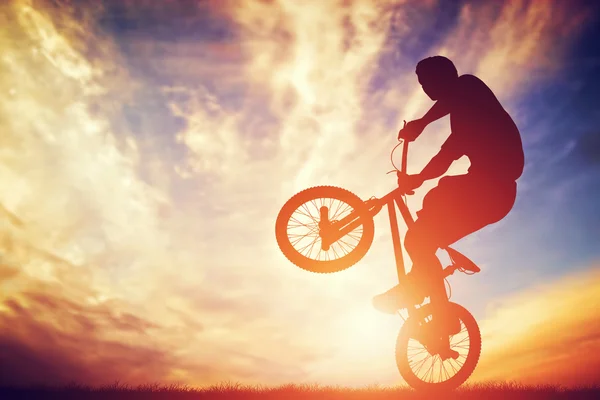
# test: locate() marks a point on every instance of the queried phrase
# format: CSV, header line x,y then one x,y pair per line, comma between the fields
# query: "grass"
x,y
490,391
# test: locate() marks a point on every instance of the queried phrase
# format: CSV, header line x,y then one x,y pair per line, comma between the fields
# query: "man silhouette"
x,y
461,204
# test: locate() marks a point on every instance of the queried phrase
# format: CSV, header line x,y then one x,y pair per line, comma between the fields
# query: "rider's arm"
x,y
440,163
437,111
436,167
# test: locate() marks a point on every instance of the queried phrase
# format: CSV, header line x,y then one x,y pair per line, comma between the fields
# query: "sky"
x,y
147,147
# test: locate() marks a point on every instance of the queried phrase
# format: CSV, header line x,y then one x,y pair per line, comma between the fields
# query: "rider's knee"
x,y
418,241
411,241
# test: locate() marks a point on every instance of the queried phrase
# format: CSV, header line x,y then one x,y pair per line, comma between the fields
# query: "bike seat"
x,y
461,261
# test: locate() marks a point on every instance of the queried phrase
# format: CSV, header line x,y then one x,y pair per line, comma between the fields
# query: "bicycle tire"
x,y
408,331
324,266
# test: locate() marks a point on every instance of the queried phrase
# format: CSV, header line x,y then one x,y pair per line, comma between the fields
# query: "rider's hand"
x,y
408,183
412,130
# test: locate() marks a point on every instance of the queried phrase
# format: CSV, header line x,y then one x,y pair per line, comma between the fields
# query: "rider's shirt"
x,y
483,131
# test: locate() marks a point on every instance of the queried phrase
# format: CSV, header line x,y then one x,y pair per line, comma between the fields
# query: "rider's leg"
x,y
427,275
421,246
457,207
451,211
426,270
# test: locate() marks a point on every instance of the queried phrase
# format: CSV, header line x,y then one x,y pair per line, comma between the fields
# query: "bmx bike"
x,y
326,229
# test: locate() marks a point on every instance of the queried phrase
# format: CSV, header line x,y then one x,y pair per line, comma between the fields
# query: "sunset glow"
x,y
146,150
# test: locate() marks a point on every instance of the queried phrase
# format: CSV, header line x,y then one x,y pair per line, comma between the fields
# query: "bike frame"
x,y
335,230
331,231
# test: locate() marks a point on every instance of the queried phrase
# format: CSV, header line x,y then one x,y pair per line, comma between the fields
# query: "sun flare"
x,y
363,333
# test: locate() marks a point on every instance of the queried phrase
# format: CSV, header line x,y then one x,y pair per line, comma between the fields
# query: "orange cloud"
x,y
49,339
550,334
514,44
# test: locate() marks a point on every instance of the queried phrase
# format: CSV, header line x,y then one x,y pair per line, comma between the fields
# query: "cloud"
x,y
529,38
49,339
547,334
588,148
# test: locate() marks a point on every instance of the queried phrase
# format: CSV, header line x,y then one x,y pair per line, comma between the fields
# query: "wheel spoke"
x,y
418,348
342,248
457,343
297,240
309,234
335,213
353,237
421,365
312,246
445,371
302,237
299,223
349,245
335,252
341,242
451,365
460,347
459,364
305,247
429,369
312,231
306,214
419,351
316,206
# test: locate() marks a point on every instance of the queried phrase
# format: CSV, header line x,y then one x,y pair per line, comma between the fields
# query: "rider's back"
x,y
485,132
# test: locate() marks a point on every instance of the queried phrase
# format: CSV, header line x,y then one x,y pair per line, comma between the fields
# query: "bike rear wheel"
x,y
297,229
426,372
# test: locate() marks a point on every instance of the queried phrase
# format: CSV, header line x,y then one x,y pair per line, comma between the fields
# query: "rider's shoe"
x,y
396,299
446,353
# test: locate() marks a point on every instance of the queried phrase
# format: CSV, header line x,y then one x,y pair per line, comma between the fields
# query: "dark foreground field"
x,y
490,391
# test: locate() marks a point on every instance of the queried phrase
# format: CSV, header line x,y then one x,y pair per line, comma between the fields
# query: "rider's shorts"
x,y
463,204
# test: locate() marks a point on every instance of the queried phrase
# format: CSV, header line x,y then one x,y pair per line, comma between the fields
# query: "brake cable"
x,y
392,158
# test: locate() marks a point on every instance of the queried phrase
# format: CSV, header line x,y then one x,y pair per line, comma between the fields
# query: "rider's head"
x,y
437,76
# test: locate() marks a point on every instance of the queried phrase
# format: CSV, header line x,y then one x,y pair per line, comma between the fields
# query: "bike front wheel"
x,y
298,233
425,370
